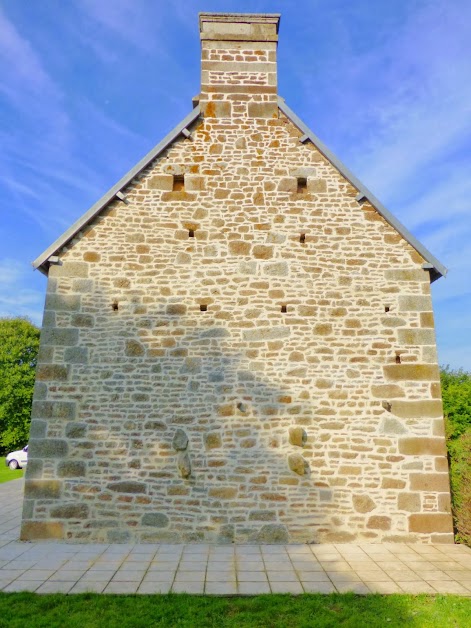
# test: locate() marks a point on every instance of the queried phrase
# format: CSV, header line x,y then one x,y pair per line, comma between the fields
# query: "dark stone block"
x,y
53,410
38,428
155,519
76,430
34,470
70,511
48,448
71,469
61,337
51,372
118,536
273,533
42,489
127,486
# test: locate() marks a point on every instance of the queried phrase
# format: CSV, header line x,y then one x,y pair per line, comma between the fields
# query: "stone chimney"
x,y
238,65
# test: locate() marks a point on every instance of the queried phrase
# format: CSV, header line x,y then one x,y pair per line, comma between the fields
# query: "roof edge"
x,y
41,260
438,269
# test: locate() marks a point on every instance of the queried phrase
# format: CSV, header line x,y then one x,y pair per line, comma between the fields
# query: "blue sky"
x,y
89,86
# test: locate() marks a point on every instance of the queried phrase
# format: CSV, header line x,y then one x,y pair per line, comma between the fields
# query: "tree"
x,y
456,391
19,344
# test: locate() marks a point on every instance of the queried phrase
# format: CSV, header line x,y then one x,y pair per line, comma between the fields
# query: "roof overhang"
x,y
41,262
432,264
436,268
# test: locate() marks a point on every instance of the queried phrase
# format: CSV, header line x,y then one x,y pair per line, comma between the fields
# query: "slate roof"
x,y
436,268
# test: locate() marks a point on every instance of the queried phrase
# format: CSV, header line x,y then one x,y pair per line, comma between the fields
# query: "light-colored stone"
x,y
39,530
421,445
363,503
391,425
184,464
430,522
378,522
417,409
412,372
410,502
298,464
297,436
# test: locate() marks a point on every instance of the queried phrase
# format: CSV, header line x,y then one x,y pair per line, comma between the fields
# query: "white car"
x,y
17,459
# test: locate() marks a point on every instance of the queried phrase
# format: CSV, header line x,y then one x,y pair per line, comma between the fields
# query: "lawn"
x,y
304,611
6,474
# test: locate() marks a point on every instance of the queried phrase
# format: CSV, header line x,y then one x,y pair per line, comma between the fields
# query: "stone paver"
x,y
57,567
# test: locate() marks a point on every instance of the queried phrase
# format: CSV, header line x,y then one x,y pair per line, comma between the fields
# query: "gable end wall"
x,y
156,421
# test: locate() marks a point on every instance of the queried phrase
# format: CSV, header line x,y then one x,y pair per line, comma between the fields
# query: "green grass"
x,y
6,474
305,611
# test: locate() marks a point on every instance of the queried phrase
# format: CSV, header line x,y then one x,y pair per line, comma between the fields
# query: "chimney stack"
x,y
238,65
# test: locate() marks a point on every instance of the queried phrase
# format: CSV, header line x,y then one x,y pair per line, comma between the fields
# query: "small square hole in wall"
x,y
115,306
302,238
302,185
386,308
203,307
191,233
284,309
398,358
178,183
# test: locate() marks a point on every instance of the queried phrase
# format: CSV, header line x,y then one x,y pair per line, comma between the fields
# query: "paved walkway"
x,y
223,569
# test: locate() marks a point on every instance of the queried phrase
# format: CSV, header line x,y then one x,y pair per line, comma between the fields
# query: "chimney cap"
x,y
239,26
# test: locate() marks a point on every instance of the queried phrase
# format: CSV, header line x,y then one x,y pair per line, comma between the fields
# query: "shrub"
x,y
456,390
19,343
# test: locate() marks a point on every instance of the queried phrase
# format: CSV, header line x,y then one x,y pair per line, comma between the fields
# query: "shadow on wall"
x,y
178,438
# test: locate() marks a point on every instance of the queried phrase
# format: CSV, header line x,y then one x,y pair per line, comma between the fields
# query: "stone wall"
x,y
244,355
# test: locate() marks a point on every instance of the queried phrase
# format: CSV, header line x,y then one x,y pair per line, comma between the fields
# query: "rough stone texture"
x,y
417,409
127,486
409,501
180,440
297,464
71,469
297,436
42,489
363,503
70,511
422,445
379,523
128,356
430,482
184,464
48,448
430,522
41,530
213,440
390,425
273,533
155,519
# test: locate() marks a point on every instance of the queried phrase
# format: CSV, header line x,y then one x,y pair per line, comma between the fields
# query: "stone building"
x,y
238,341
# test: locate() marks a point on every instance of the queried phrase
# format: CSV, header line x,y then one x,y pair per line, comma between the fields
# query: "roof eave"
x,y
437,268
41,261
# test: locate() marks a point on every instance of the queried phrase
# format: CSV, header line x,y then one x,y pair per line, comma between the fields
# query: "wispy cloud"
x,y
19,63
16,297
88,89
126,19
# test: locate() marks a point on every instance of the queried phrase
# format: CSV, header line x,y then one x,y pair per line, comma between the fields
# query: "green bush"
x,y
456,390
19,344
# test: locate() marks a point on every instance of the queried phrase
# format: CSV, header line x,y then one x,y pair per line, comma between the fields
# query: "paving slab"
x,y
363,568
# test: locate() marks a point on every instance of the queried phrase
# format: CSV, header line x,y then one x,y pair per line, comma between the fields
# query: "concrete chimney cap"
x,y
239,26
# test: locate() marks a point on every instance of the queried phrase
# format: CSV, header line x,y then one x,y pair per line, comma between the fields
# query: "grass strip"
x,y
304,611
